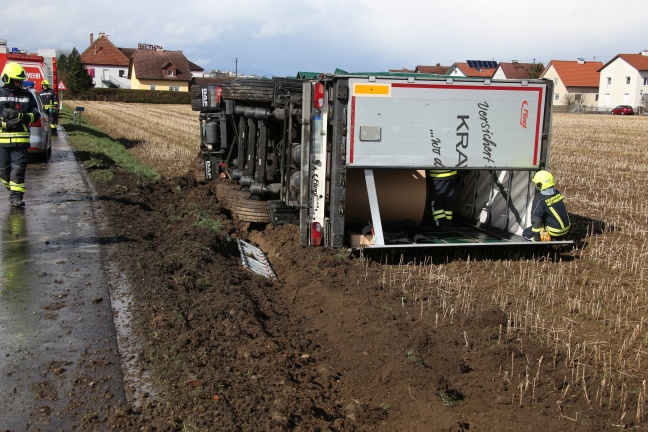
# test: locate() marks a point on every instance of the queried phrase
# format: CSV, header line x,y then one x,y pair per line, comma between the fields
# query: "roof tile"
x,y
153,65
576,73
103,52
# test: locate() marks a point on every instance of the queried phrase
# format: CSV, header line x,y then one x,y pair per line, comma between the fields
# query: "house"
x,y
515,70
153,69
107,64
437,70
196,71
624,81
575,82
473,69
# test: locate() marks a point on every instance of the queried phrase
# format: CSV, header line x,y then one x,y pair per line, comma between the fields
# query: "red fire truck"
x,y
38,66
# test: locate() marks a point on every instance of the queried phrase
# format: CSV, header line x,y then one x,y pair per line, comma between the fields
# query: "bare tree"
x,y
569,100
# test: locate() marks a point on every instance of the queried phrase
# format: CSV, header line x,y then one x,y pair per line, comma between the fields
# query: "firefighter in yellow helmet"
x,y
548,211
50,103
18,109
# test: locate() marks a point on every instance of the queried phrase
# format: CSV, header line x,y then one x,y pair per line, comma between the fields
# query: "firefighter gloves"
x,y
11,118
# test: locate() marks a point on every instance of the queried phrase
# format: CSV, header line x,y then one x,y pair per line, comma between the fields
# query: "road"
x,y
59,358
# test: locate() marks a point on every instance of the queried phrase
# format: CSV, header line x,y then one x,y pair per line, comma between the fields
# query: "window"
x,y
174,88
555,81
645,80
627,80
170,72
153,87
122,73
556,96
596,97
609,80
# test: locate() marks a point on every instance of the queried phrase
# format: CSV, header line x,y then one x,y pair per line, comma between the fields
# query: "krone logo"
x,y
524,114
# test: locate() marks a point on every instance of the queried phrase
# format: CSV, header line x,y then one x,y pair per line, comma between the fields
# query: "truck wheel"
x,y
225,191
249,89
238,201
248,210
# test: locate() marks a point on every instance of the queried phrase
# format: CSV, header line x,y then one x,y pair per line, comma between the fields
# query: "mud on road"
x,y
59,359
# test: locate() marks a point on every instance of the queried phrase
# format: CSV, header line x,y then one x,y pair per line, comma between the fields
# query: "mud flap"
x,y
211,167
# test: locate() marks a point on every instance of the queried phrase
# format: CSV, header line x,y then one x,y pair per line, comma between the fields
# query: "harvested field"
x,y
445,341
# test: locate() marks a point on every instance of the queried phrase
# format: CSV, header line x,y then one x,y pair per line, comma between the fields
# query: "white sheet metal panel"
x,y
445,123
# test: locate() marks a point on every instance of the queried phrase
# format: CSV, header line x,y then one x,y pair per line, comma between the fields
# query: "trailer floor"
x,y
459,233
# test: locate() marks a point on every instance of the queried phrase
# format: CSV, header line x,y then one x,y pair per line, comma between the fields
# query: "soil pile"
x,y
327,346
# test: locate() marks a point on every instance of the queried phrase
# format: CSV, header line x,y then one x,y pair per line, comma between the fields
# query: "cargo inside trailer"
x,y
491,207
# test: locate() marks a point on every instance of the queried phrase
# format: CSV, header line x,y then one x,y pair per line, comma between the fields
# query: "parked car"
x,y
40,136
622,110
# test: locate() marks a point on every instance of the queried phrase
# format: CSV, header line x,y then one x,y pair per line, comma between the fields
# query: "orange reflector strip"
x,y
372,89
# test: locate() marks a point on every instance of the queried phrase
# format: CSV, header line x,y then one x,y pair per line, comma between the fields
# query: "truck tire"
x,y
225,191
245,209
239,203
196,98
249,89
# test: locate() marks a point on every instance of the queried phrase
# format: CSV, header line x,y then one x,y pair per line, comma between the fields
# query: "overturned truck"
x,y
345,156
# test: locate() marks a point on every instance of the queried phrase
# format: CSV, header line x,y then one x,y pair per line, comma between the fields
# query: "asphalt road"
x,y
59,359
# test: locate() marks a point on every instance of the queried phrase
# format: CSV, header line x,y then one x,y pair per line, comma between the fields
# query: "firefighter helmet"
x,y
45,84
13,71
543,180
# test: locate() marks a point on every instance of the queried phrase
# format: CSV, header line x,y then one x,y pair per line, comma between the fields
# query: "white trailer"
x,y
344,156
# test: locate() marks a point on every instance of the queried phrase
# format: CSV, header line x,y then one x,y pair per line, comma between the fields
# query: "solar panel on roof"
x,y
483,64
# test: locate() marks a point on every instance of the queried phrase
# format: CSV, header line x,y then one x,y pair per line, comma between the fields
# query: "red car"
x,y
622,110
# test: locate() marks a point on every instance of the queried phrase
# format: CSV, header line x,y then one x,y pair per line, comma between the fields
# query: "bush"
x,y
135,96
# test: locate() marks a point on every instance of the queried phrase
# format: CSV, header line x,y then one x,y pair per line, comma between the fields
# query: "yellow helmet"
x,y
45,83
543,180
13,71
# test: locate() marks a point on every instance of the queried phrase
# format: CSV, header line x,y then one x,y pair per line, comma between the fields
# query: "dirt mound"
x,y
330,345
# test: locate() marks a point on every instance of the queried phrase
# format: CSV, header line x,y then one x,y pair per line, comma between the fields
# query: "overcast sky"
x,y
282,37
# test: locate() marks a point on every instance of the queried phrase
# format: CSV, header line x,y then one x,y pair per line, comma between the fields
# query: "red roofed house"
x,y
624,81
438,69
473,69
575,82
159,70
515,70
107,64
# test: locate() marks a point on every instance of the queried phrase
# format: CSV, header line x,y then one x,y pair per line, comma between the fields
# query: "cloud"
x,y
281,37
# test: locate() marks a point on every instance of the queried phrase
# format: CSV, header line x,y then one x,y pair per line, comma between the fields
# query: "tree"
x,y
72,71
536,70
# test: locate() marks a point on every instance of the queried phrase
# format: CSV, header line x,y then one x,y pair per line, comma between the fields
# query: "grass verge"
x,y
98,152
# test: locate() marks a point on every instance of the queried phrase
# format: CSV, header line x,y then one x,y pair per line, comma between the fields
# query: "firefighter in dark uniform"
x,y
549,217
18,109
50,103
443,186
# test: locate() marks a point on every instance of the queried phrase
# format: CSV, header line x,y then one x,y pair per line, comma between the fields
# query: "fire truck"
x,y
38,66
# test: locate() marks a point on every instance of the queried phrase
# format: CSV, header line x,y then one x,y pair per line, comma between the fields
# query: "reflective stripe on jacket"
x,y
48,97
24,102
441,173
550,212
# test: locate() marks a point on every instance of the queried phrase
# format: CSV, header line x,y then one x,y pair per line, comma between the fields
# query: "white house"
x,y
107,64
624,81
574,80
